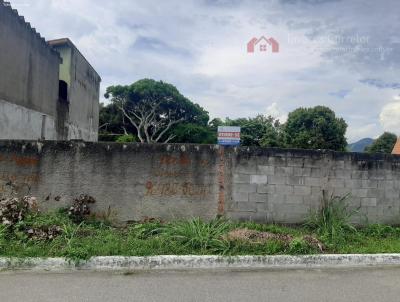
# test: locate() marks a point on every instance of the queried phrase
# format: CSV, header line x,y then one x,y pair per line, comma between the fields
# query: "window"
x,y
63,90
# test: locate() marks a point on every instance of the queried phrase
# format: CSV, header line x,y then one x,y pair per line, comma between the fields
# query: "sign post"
x,y
228,136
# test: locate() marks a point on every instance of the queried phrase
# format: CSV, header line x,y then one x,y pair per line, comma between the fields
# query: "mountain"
x,y
360,145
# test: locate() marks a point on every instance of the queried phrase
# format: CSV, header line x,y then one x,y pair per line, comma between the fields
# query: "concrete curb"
x,y
120,263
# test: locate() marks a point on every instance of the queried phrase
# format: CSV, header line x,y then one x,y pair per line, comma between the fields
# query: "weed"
x,y
80,209
332,221
300,246
198,234
145,230
81,241
381,231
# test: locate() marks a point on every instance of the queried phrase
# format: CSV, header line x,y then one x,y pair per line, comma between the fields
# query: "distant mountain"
x,y
360,145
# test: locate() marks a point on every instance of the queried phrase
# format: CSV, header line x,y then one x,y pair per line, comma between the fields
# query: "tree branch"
x,y
170,124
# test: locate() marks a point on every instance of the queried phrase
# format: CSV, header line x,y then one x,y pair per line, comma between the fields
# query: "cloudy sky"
x,y
341,53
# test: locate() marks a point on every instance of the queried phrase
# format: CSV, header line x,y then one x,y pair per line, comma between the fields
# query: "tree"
x,y
383,144
259,131
153,108
315,128
194,134
112,123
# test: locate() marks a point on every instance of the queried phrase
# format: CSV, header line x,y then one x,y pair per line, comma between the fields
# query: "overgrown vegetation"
x,y
126,138
333,220
74,233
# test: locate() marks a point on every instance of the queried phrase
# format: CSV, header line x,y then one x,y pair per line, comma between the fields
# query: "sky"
x,y
344,54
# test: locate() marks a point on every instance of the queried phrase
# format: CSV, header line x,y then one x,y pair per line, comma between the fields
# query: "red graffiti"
x,y
176,189
182,160
25,160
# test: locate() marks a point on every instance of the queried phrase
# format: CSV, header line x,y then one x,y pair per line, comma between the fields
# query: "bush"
x,y
332,221
126,138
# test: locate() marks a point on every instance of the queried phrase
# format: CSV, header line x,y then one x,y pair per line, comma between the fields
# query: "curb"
x,y
120,263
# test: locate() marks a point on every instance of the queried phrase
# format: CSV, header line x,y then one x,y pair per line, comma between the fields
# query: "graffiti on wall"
x,y
17,181
172,177
185,189
21,161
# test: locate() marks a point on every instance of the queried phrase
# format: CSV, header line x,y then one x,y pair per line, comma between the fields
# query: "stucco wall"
x,y
29,86
133,181
17,121
28,66
83,92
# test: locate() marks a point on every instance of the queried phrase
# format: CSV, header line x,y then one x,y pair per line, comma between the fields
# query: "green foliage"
x,y
332,221
194,134
146,108
3,234
381,231
315,128
198,234
259,131
126,138
300,246
112,122
152,109
81,241
383,144
145,230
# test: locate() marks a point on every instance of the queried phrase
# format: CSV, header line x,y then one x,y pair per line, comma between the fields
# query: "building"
x,y
396,148
48,90
79,87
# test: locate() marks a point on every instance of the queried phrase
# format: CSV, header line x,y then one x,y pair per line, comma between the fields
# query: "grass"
x,y
330,226
332,221
93,238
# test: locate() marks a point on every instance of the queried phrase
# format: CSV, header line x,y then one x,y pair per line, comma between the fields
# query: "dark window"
x,y
63,90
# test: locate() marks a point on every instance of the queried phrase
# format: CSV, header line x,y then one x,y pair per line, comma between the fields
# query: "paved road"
x,y
354,285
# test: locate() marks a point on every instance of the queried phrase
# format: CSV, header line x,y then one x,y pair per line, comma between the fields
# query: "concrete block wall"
x,y
284,186
173,181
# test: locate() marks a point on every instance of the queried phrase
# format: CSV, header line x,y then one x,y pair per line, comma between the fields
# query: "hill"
x,y
360,145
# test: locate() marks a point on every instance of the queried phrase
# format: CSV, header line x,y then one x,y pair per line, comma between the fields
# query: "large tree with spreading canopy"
x,y
154,108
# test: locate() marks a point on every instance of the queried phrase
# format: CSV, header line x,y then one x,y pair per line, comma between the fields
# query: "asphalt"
x,y
344,285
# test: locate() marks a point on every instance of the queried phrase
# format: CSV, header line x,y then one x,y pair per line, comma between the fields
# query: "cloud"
x,y
390,116
341,94
276,112
326,47
380,84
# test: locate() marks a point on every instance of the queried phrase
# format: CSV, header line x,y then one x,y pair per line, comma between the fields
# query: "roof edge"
x,y
66,41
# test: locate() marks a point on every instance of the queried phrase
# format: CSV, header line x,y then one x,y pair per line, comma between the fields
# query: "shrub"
x,y
332,221
126,138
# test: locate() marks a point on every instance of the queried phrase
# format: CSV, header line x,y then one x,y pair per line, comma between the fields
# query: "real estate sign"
x,y
228,136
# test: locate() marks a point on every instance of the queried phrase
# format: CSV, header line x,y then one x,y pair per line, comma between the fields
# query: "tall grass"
x,y
333,220
198,234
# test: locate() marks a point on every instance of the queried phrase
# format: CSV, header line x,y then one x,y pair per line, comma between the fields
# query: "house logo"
x,y
262,45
